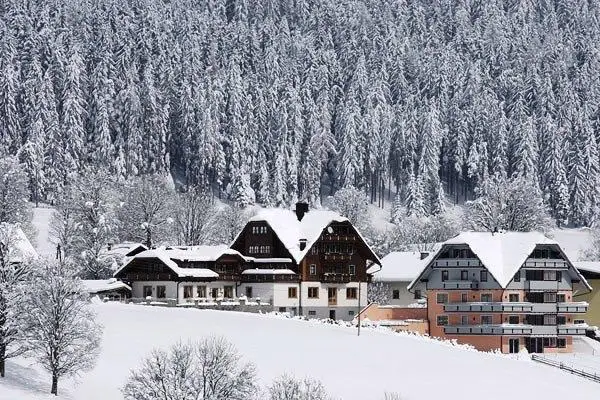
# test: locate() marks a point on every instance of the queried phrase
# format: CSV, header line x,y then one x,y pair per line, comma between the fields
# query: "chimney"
x,y
424,255
301,209
302,244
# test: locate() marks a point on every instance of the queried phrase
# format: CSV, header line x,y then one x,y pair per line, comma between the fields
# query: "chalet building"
x,y
311,263
507,291
328,255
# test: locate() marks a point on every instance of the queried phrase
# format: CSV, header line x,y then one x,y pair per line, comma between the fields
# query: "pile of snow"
x,y
351,367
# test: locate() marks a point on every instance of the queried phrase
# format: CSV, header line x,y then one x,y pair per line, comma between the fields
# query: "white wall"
x,y
137,288
209,286
405,297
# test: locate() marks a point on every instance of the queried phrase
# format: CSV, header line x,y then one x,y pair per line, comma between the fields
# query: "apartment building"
x,y
507,290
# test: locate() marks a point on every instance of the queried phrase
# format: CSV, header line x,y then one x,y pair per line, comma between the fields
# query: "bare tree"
x,y
508,204
230,220
378,292
60,326
287,387
145,212
194,218
13,274
209,370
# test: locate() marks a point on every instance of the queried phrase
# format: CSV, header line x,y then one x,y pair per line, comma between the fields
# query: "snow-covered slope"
x,y
352,368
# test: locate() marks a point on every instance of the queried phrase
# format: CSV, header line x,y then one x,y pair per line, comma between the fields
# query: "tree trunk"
x,y
54,390
2,360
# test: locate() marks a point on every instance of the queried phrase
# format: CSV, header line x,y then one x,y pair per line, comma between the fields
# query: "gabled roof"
x,y
20,248
289,230
192,253
400,266
588,266
502,253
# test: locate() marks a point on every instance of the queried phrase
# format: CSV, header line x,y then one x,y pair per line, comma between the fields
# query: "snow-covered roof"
x,y
195,253
502,253
103,285
263,271
20,248
400,266
120,249
269,260
588,266
290,231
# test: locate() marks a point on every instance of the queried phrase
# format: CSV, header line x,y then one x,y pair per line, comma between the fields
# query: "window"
x,y
486,297
147,291
486,320
513,319
293,292
549,319
249,292
517,276
351,293
442,298
549,275
464,297
560,298
395,294
214,292
312,313
263,229
351,313
550,342
201,291
253,249
312,269
464,275
575,321
483,276
188,291
228,292
549,297
313,292
442,320
444,275
161,292
561,320
513,297
464,320
418,294
561,343
559,276
314,250
352,269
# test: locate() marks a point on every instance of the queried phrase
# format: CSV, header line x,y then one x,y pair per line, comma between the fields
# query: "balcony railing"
x,y
541,285
488,307
578,329
487,330
457,262
461,285
330,277
545,264
575,307
338,238
337,257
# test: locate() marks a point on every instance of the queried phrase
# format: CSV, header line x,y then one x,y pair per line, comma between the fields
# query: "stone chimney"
x,y
301,209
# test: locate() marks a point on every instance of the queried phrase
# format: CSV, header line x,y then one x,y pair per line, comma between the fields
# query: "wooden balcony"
x,y
337,278
339,238
337,257
461,285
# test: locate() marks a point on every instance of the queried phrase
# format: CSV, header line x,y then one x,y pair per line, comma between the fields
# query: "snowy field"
x,y
352,368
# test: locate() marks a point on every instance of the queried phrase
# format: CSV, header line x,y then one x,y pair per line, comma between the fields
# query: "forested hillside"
x,y
288,97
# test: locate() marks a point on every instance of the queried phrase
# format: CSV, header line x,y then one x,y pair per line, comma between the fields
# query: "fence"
x,y
594,377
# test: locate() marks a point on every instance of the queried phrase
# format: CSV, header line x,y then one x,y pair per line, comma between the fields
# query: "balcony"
x,y
330,277
337,257
338,238
505,329
457,262
488,307
575,307
542,285
572,329
461,285
545,264
543,308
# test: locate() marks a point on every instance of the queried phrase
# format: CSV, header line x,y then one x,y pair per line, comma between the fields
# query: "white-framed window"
x,y
464,320
313,292
351,313
147,291
486,297
161,292
312,313
442,298
395,294
513,297
188,291
352,269
483,276
442,320
351,293
312,269
263,230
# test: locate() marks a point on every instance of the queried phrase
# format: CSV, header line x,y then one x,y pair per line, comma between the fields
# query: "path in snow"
x,y
44,243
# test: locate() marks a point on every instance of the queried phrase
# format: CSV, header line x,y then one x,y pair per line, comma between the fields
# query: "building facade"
x,y
590,270
508,291
312,263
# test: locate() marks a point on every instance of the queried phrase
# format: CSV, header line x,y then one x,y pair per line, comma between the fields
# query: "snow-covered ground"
x,y
352,368
44,243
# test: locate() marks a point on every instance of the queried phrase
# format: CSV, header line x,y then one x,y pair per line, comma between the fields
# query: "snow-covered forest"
x,y
294,99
